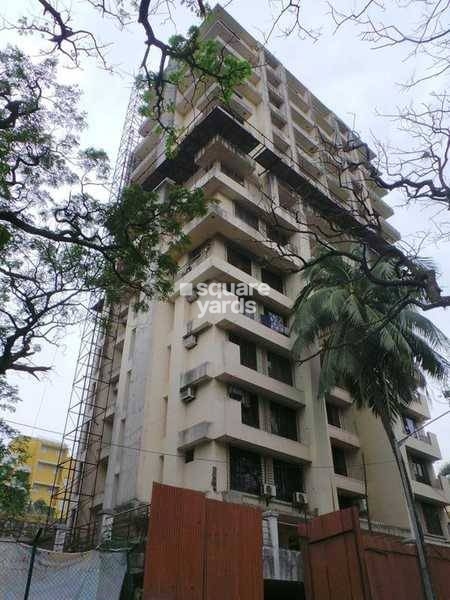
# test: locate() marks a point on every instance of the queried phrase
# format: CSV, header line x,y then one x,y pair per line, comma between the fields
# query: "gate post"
x,y
271,518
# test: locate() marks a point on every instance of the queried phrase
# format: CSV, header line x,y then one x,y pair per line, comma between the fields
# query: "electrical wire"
x,y
173,455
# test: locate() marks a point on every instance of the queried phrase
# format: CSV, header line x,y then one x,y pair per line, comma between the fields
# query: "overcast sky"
x,y
355,81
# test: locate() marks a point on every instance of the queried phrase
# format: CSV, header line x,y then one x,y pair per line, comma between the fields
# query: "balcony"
x,y
352,482
298,99
195,435
301,118
212,98
253,331
191,264
339,188
419,408
233,431
148,143
230,370
349,484
221,32
425,444
215,268
273,74
215,180
309,162
250,91
148,162
305,140
268,321
234,50
343,436
324,120
340,397
230,158
280,138
438,491
381,207
221,221
276,97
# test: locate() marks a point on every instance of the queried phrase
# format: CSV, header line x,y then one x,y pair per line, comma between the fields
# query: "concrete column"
x,y
106,526
60,538
272,520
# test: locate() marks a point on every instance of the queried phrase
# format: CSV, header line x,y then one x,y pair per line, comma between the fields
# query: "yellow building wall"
x,y
42,458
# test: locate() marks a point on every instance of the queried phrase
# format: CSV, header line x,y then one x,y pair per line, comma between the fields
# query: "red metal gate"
x,y
202,549
343,562
333,559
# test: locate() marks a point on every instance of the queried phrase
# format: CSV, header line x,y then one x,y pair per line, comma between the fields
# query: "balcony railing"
x,y
275,323
193,262
423,436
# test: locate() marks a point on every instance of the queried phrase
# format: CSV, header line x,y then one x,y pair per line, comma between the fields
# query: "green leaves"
x,y
146,228
371,338
60,237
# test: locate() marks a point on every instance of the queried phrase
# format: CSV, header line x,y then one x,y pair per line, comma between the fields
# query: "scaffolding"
x,y
92,399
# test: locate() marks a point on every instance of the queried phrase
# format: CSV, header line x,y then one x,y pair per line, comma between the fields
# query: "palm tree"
x,y
373,342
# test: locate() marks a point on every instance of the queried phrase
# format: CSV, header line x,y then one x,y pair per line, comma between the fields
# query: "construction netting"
x,y
92,575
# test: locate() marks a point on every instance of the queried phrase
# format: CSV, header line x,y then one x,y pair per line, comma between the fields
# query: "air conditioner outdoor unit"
x,y
187,394
236,393
190,341
269,490
299,499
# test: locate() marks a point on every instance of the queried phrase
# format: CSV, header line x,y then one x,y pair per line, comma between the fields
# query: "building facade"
x,y
212,400
43,458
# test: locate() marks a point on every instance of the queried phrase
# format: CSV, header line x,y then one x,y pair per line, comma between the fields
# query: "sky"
x,y
359,83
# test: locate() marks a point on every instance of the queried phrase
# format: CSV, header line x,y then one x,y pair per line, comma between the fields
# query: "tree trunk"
x,y
412,511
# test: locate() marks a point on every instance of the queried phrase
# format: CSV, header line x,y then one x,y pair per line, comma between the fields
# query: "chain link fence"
x,y
48,562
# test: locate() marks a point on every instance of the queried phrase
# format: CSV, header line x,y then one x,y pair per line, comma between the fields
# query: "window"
x,y
247,216
46,468
348,501
409,424
432,517
45,448
272,279
283,421
288,479
189,455
248,352
250,410
333,415
275,235
279,368
420,471
245,471
239,260
339,462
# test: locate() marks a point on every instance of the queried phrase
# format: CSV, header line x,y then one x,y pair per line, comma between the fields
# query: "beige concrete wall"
x,y
155,419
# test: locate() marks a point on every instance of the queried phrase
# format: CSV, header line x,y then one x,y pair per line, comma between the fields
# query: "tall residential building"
x,y
213,401
42,459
